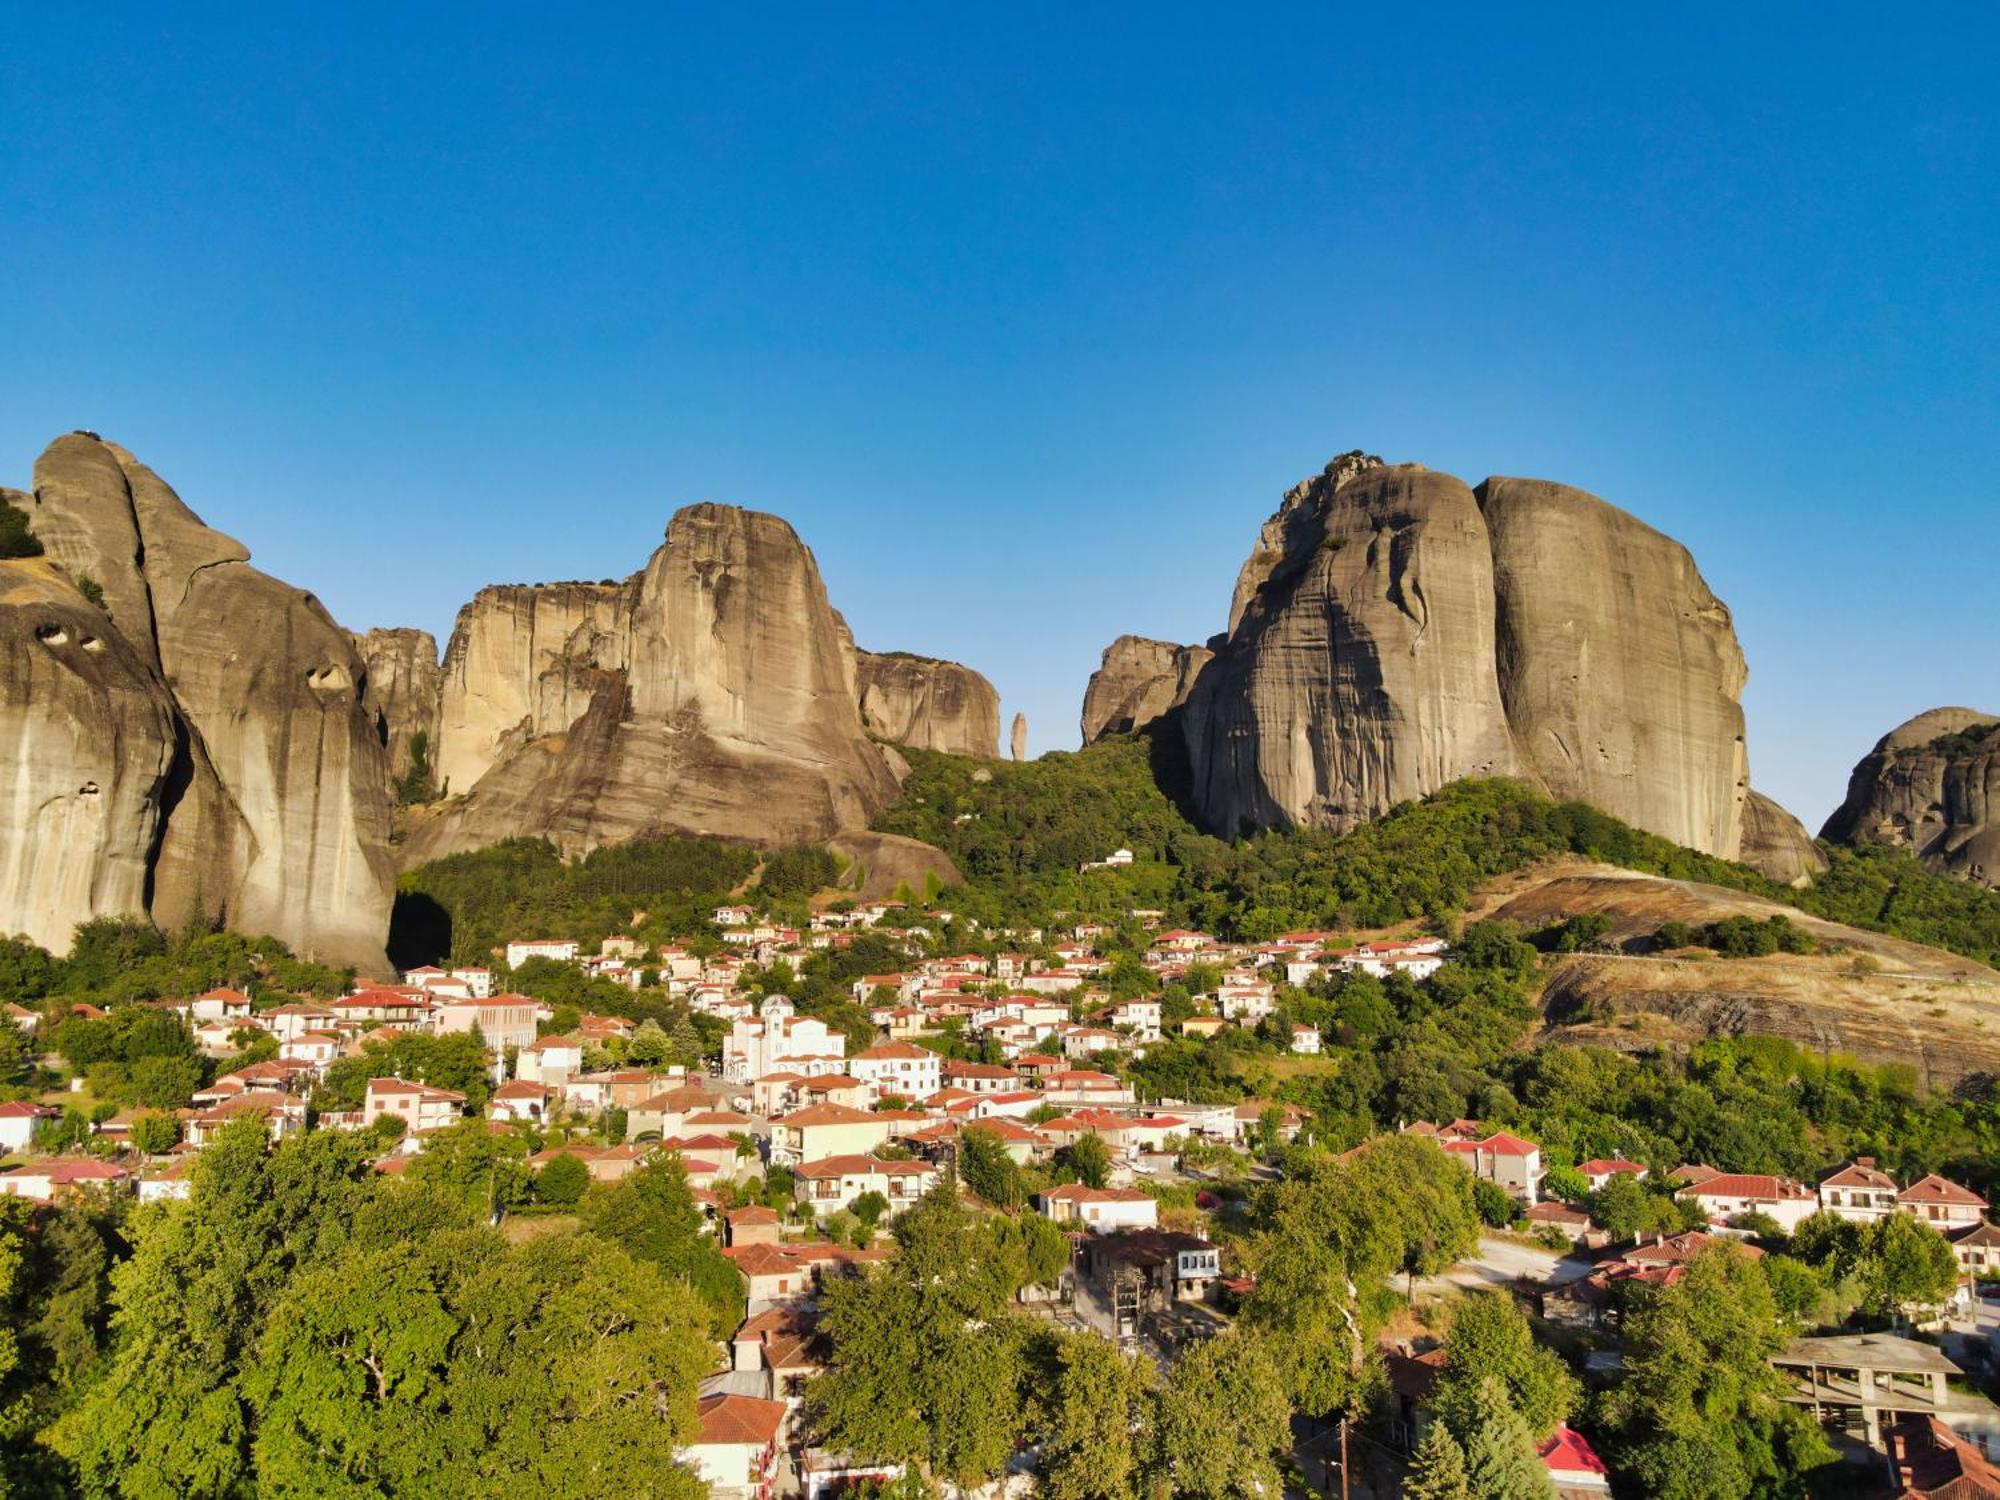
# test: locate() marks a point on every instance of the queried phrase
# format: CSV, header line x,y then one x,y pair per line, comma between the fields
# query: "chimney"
x,y
1864,1161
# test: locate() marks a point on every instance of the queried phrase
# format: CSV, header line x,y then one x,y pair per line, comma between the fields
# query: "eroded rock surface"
x,y
731,710
1137,682
1777,844
1932,786
402,693
927,704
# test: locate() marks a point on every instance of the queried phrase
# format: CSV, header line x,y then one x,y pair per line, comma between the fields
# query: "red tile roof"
x,y
739,1419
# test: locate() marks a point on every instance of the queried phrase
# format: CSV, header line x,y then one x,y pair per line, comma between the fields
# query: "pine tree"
x,y
1438,1471
1500,1458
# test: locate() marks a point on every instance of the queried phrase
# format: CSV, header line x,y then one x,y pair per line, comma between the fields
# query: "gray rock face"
x,y
1777,844
1619,671
1931,786
1138,681
275,809
1017,737
517,668
88,740
1361,673
402,692
731,710
1393,632
927,704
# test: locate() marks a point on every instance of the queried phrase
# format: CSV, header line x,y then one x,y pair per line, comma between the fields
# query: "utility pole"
x,y
1343,1455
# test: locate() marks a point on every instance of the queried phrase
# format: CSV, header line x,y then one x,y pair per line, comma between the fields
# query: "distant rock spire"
x,y
1019,738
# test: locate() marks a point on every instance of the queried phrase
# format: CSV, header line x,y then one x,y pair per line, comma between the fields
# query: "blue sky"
x,y
1027,316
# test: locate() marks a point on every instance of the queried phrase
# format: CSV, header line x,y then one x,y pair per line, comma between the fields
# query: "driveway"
x,y
1499,1262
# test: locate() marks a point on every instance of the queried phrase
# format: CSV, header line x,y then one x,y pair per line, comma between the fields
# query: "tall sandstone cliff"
x,y
1138,682
927,704
715,693
1931,786
403,689
1395,630
273,810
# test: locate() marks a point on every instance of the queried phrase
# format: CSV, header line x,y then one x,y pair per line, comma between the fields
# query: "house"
x,y
288,1021
521,1100
561,950
1305,1039
1081,1041
503,1020
1599,1171
834,1182
1086,1086
824,1130
317,1048
784,1345
1141,1018
1573,1222
1203,1027
62,1177
18,1119
21,1018
420,1107
1859,1192
1941,1203
736,1446
901,1069
1931,1462
220,1005
1573,1464
168,1183
1731,1194
282,1115
981,1078
1499,1157
1145,1271
552,1060
752,1224
1977,1250
733,916
1099,1210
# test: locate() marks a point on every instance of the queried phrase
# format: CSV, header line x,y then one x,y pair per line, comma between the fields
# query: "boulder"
x,y
1139,681
1932,786
927,704
1776,844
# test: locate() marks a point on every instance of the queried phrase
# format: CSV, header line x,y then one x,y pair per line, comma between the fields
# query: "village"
x,y
800,1148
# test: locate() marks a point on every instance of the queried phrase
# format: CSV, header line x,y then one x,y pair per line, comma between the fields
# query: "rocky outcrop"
x,y
1361,673
517,667
1619,671
927,704
88,738
1931,786
1138,681
402,692
1017,737
1776,844
720,701
1395,631
274,811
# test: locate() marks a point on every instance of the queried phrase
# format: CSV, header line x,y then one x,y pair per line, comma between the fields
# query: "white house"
x,y
422,1108
902,1069
17,1123
562,950
1731,1194
834,1182
778,1039
1859,1192
1305,1039
735,1452
1099,1210
1941,1203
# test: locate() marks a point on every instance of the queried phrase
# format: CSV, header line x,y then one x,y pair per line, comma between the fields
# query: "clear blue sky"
x,y
1026,316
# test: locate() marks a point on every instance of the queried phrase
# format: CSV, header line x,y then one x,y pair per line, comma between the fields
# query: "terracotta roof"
x,y
1936,1189
860,1166
1861,1172
739,1419
1749,1185
826,1114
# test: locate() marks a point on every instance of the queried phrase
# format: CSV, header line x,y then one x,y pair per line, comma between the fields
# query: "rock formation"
x,y
1017,737
90,741
274,811
1931,786
1394,631
403,690
927,704
720,699
517,666
1138,681
1619,671
1361,672
1777,843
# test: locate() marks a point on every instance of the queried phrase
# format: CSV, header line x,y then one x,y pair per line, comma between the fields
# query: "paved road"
x,y
1500,1262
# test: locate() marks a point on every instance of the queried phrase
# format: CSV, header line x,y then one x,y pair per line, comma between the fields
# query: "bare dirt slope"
x,y
1881,999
